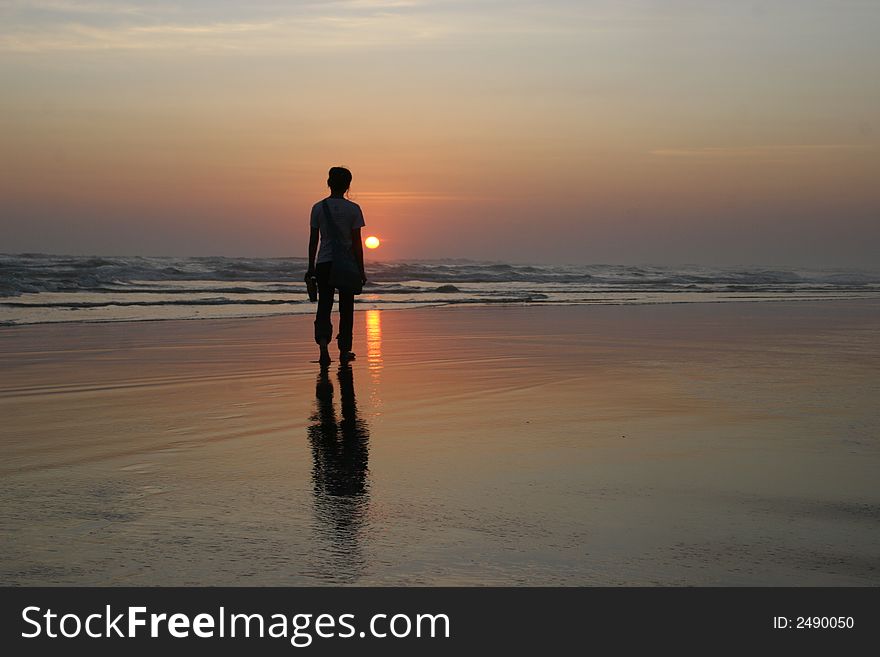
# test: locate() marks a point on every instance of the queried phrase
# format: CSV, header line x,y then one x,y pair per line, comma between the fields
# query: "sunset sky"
x,y
606,131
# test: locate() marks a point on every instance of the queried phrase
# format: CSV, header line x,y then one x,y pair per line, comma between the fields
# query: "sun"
x,y
372,242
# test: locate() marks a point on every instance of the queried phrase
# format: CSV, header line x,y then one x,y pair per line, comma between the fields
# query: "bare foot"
x,y
324,359
345,356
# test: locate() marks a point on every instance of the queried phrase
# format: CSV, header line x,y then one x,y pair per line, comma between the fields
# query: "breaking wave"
x,y
42,288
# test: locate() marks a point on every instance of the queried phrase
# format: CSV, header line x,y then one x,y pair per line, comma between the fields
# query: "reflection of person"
x,y
349,220
340,453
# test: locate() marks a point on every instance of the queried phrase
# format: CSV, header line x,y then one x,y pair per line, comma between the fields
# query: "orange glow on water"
x,y
374,355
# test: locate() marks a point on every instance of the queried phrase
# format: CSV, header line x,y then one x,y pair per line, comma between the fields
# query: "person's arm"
x,y
358,247
313,251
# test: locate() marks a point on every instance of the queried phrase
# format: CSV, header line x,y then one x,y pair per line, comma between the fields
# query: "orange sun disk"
x,y
372,242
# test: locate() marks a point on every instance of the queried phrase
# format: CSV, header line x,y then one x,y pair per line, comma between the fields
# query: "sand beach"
x,y
681,444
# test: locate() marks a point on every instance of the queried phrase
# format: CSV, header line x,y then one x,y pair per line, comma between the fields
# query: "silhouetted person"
x,y
340,454
349,220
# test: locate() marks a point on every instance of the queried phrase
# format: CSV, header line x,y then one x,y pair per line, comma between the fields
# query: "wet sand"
x,y
704,444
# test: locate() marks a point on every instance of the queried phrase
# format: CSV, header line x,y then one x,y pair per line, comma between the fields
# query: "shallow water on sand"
x,y
701,445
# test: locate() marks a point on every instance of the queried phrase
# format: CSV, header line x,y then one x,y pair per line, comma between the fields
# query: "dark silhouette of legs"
x,y
323,324
346,323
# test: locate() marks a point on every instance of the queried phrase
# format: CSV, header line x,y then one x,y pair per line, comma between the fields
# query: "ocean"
x,y
40,288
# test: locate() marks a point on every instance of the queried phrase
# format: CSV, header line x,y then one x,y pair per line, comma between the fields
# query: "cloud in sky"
x,y
762,151
136,31
409,196
63,7
58,25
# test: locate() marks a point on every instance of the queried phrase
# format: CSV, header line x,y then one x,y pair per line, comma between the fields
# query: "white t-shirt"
x,y
347,216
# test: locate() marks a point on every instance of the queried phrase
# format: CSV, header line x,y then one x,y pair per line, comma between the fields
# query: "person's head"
x,y
339,180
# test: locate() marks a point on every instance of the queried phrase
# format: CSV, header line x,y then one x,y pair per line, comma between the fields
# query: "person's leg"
x,y
346,323
323,324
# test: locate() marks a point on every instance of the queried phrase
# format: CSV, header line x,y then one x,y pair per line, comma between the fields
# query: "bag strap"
x,y
336,237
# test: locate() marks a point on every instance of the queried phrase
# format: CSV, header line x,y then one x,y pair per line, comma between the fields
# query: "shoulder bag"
x,y
345,275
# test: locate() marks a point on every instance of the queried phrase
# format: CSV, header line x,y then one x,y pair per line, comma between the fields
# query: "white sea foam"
x,y
37,288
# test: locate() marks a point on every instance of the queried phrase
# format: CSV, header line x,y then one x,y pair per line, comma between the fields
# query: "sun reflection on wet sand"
x,y
374,353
